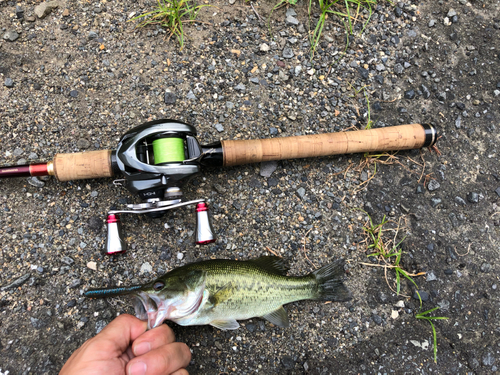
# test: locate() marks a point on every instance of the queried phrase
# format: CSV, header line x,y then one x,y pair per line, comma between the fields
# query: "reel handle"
x,y
391,138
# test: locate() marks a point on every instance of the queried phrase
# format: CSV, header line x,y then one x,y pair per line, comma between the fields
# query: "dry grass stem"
x,y
462,255
305,253
271,251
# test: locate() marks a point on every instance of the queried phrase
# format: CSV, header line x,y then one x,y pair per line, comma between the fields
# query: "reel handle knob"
x,y
204,230
115,243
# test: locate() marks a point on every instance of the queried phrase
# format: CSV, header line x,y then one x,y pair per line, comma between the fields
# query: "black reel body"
x,y
149,167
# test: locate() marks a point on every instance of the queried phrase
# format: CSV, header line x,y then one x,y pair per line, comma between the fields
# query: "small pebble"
x,y
424,296
301,192
34,181
430,276
146,268
170,97
410,94
486,267
83,144
240,87
433,185
435,202
377,319
11,36
8,82
291,20
99,326
264,47
267,168
473,197
288,53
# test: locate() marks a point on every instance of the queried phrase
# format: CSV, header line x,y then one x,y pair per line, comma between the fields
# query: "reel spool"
x,y
168,149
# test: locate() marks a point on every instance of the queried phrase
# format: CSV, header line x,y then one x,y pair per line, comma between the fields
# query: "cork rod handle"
x,y
83,165
393,138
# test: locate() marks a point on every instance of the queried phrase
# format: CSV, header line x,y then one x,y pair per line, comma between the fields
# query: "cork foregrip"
x,y
402,137
83,165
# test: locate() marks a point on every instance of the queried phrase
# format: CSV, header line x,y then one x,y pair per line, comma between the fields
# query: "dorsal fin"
x,y
272,264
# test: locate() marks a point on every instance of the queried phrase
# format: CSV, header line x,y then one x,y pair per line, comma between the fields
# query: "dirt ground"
x,y
77,79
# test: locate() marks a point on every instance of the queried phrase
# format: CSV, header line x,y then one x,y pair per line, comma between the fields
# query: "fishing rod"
x,y
157,158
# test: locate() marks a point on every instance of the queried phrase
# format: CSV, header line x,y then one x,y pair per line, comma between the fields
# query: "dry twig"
x,y
271,251
305,254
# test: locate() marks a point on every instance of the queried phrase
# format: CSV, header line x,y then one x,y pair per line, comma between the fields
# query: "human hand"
x,y
124,347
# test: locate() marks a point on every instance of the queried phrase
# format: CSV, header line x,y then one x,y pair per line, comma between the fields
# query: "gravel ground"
x,y
81,76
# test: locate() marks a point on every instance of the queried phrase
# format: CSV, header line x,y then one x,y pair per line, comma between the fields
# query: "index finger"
x,y
163,360
152,339
122,331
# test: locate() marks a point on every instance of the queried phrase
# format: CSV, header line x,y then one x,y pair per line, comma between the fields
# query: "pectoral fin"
x,y
225,324
221,295
278,317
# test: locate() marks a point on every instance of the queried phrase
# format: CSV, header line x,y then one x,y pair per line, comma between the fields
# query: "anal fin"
x,y
225,324
278,317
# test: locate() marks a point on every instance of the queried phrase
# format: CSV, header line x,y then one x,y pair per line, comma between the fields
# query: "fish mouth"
x,y
156,309
151,308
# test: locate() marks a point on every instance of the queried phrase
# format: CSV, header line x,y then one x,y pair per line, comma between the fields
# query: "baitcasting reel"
x,y
157,159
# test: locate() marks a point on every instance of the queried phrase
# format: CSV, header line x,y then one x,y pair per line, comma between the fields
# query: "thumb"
x,y
123,331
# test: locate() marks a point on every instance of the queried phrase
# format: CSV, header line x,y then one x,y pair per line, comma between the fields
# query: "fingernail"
x,y
142,348
138,368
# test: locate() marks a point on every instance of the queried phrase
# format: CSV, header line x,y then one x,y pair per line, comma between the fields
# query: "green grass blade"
x,y
428,311
434,335
398,282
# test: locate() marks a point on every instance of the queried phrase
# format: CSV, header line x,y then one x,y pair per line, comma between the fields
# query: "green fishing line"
x,y
167,150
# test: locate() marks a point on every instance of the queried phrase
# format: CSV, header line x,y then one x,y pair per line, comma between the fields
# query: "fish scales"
x,y
254,291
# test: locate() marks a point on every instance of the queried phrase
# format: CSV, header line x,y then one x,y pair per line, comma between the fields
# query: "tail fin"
x,y
330,285
110,292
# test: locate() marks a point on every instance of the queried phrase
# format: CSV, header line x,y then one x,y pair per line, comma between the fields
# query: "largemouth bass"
x,y
220,292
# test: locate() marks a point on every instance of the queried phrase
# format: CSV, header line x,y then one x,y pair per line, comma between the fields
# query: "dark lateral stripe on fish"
x,y
109,292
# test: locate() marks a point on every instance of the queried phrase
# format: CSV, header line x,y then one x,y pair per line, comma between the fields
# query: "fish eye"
x,y
158,285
